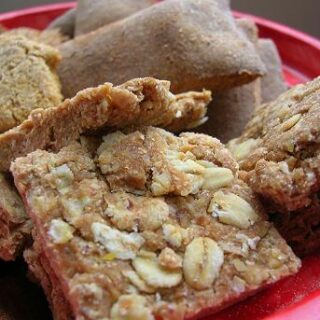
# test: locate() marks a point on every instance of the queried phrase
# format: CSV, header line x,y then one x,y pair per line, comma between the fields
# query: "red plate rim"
x,y
309,307
265,22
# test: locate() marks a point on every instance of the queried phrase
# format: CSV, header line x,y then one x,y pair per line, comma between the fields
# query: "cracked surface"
x,y
148,226
144,101
28,80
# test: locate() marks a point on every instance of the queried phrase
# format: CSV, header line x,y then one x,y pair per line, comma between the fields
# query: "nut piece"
x,y
124,245
169,259
202,262
131,307
154,274
60,231
215,178
233,210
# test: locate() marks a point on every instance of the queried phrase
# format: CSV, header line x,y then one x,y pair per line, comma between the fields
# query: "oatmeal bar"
x,y
145,101
279,147
279,155
92,15
194,44
272,83
153,226
15,227
28,79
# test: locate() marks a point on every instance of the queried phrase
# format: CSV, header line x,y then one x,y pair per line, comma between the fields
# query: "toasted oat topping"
x,y
201,240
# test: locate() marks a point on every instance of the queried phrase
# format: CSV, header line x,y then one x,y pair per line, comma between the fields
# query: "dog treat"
x,y
28,79
231,110
49,37
93,14
194,44
278,148
279,152
249,28
14,226
145,101
272,83
157,226
65,23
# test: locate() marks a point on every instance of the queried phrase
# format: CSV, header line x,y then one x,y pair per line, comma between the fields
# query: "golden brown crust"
x,y
92,15
28,79
118,253
144,101
194,44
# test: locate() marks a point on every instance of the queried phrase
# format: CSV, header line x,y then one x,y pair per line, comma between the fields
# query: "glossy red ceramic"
x,y
294,298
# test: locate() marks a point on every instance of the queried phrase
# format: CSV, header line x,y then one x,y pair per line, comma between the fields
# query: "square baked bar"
x,y
144,101
147,226
279,153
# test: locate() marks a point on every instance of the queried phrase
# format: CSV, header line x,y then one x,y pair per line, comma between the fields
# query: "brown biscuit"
x,y
193,44
114,247
279,147
136,102
65,23
28,79
49,37
93,14
272,84
249,28
280,155
231,110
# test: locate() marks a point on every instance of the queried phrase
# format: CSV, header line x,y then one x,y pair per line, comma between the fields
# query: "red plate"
x,y
294,298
